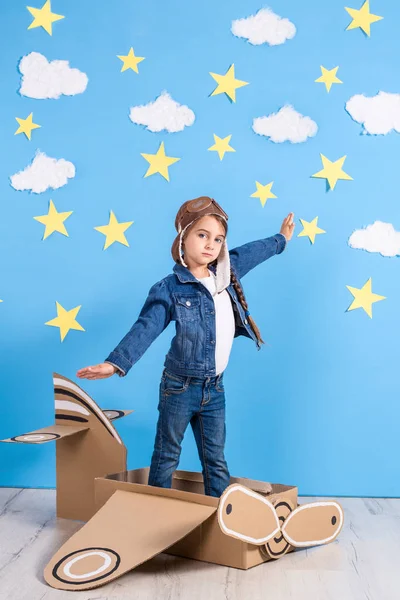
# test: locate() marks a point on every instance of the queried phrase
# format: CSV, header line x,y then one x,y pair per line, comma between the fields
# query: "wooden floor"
x,y
362,564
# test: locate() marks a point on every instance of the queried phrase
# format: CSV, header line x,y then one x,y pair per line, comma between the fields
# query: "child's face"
x,y
206,236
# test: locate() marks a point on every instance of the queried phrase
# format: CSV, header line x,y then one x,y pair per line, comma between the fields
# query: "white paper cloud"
x,y
285,125
163,114
43,79
43,173
378,114
265,27
378,237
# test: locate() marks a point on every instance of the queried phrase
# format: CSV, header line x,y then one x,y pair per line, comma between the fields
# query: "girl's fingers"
x,y
95,369
289,219
87,372
93,375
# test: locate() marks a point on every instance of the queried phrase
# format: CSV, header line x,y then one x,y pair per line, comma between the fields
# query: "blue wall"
x,y
319,407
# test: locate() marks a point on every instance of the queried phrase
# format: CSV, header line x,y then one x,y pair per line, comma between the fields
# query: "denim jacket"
x,y
180,297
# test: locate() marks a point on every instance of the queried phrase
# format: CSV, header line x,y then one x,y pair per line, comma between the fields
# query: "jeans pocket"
x,y
219,384
174,384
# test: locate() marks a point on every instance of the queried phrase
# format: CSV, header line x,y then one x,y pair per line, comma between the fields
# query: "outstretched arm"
x,y
153,319
246,257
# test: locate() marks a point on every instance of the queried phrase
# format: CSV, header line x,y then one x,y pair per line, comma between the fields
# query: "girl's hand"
x,y
101,371
288,226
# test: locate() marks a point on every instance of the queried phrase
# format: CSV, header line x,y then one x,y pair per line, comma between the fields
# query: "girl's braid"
x,y
243,302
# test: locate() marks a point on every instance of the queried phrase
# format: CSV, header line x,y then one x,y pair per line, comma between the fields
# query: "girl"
x,y
205,298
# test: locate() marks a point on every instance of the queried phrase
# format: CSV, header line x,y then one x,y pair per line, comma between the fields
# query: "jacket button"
x,y
213,341
246,321
188,303
212,312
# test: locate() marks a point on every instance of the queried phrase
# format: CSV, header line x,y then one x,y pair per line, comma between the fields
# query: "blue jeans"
x,y
201,402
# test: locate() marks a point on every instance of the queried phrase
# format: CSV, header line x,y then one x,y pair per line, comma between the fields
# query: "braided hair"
x,y
236,284
240,294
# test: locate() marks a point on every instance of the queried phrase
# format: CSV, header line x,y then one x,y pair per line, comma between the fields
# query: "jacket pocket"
x,y
188,308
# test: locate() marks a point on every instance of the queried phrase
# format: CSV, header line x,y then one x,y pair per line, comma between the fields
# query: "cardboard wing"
x,y
46,434
95,452
114,414
128,530
250,517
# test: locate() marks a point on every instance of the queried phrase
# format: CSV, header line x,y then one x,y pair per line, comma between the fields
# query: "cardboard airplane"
x,y
129,522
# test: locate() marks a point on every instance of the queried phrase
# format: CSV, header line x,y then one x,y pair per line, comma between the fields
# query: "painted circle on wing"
x,y
113,414
86,565
35,438
278,546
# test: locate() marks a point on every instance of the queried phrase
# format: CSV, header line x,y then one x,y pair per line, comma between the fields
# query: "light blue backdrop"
x,y
319,406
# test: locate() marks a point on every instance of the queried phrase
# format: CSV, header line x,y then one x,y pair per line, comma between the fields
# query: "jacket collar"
x,y
184,275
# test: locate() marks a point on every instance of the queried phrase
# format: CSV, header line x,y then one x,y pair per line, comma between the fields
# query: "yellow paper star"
x,y
227,84
364,297
65,320
54,221
332,171
43,17
26,126
263,192
221,146
362,18
310,229
328,77
131,61
114,231
159,162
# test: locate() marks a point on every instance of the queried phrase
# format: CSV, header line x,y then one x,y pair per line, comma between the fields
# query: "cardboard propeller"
x,y
87,446
250,517
278,546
